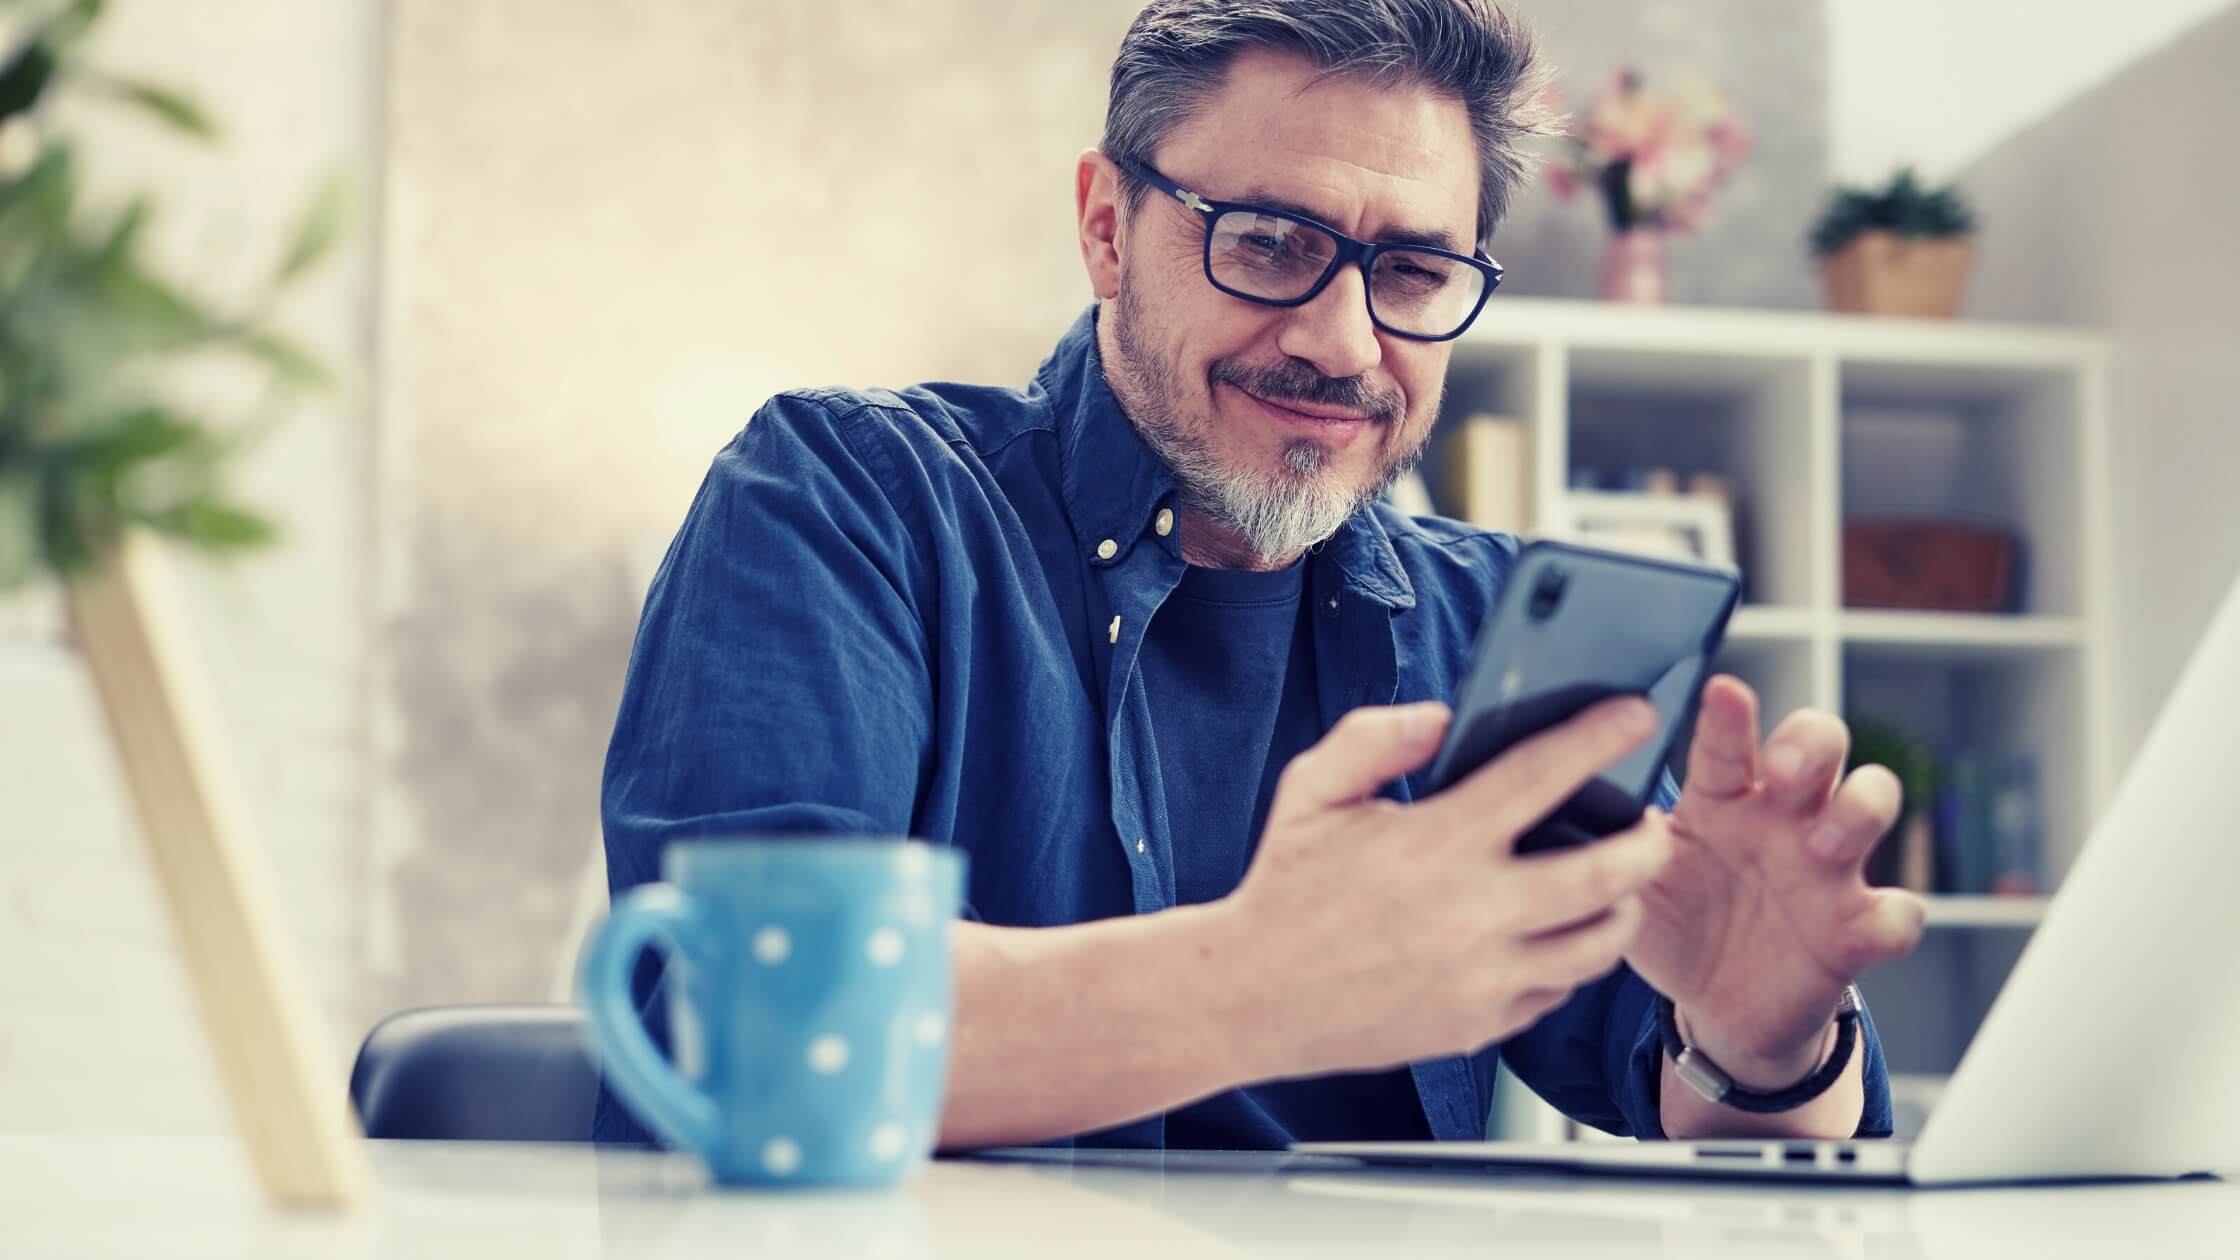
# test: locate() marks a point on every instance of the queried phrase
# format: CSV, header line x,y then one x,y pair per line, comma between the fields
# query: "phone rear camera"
x,y
1547,592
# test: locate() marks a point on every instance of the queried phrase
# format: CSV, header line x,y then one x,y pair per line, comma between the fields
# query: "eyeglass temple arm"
x,y
1165,185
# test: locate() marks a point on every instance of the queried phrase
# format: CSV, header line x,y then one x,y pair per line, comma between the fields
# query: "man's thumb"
x,y
1368,748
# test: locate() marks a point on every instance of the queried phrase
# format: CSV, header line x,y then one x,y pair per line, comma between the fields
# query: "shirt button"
x,y
1139,844
1164,522
1330,607
1107,549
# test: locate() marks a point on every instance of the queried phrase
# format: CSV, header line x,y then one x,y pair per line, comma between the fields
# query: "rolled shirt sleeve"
x,y
779,680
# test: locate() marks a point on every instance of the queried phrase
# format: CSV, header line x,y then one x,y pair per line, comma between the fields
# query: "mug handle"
x,y
672,1106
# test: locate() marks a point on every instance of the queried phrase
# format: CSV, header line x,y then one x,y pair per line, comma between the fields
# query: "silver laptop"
x,y
2113,1052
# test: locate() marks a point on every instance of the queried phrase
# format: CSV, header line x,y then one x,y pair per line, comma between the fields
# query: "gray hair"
x,y
1177,52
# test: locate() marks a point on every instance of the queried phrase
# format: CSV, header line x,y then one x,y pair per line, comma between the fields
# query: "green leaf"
x,y
137,436
215,525
19,527
149,314
166,105
317,230
71,25
26,76
42,197
289,363
123,235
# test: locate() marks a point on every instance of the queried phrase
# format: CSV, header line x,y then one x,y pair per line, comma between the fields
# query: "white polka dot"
x,y
888,1141
771,945
885,947
828,1054
781,1156
914,862
930,1028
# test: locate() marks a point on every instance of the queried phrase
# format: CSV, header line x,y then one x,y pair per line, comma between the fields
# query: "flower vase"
x,y
1633,267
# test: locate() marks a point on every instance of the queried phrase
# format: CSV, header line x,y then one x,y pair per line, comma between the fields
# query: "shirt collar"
x,y
1114,483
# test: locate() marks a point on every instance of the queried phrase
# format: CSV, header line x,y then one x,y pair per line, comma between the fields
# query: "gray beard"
x,y
1276,515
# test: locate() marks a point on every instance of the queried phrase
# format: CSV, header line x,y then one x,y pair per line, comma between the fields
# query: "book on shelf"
x,y
1988,825
1485,473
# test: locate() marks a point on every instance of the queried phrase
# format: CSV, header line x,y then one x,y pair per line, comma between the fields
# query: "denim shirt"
x,y
920,612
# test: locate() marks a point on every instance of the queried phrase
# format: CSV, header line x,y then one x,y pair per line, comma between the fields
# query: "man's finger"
x,y
1890,926
1525,784
1859,814
1580,954
1802,758
1560,890
1369,747
1723,759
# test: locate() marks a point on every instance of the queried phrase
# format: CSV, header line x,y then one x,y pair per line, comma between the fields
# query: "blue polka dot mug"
x,y
809,1000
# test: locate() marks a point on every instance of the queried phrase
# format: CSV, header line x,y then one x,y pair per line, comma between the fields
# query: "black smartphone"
x,y
1574,626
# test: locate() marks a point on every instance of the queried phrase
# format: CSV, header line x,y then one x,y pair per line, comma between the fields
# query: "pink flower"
x,y
1679,138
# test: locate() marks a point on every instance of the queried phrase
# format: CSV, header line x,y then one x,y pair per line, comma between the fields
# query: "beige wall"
x,y
2115,211
613,235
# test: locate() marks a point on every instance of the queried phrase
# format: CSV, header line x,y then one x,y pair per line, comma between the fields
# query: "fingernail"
x,y
1784,761
1824,840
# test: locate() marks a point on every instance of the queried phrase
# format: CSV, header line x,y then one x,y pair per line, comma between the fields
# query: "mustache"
x,y
1295,380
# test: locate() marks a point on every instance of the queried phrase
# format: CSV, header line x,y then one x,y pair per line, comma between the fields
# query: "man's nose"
x,y
1334,331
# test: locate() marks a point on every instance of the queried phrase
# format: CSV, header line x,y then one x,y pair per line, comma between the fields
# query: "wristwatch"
x,y
1706,1078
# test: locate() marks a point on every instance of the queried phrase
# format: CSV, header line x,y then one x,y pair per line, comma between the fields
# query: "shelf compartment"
x,y
1991,701
1744,418
1993,446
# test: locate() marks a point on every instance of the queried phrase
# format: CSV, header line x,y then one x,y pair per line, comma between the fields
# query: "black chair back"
x,y
519,1073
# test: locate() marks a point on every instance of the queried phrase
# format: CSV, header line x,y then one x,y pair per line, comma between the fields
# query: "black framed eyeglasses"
x,y
1278,258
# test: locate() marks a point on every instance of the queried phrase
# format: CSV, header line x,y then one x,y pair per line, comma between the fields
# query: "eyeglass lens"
x,y
1261,255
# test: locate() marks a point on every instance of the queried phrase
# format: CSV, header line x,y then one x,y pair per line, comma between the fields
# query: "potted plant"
x,y
1906,856
1903,249
1655,155
96,453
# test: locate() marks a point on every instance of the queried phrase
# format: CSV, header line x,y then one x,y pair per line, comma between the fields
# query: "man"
x,y
1143,641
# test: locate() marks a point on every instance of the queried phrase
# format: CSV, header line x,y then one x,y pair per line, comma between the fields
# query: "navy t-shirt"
x,y
1236,651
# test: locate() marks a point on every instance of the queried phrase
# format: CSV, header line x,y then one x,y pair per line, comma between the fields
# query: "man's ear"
x,y
1096,195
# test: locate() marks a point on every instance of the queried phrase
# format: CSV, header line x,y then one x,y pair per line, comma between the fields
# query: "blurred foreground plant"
x,y
90,442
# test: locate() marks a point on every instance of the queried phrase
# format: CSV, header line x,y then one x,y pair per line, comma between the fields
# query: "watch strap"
x,y
1712,1082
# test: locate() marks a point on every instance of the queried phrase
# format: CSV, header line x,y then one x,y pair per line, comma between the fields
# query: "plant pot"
x,y
1883,273
1633,267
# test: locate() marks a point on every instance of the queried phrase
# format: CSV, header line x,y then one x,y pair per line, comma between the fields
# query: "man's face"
x,y
1281,422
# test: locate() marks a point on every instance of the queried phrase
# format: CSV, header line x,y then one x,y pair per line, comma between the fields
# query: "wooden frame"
x,y
302,1138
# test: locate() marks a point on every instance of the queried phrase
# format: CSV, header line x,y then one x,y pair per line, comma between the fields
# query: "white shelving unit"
x,y
1813,417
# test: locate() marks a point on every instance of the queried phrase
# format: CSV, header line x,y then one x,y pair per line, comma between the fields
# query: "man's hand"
x,y
1764,914
1374,933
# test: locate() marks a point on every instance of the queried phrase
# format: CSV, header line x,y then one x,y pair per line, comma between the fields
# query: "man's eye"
x,y
1417,275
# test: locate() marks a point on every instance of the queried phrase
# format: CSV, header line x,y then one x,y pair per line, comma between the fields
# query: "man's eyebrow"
x,y
1431,238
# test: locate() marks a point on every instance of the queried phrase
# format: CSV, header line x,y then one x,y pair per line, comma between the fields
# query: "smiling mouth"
x,y
1289,412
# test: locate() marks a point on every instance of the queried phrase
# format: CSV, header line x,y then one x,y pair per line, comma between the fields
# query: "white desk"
x,y
179,1198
